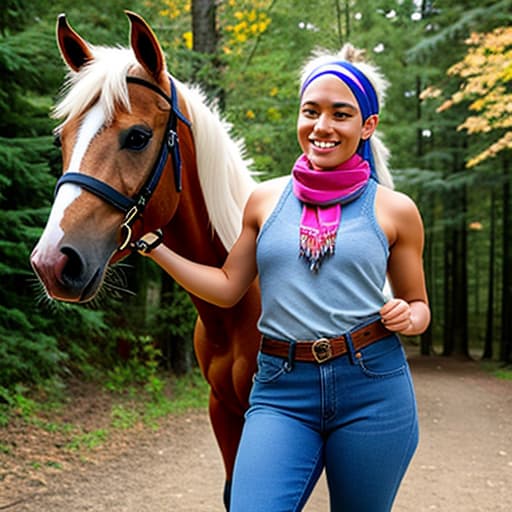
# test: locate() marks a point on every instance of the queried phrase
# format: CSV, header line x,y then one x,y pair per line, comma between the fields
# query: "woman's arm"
x,y
221,286
409,312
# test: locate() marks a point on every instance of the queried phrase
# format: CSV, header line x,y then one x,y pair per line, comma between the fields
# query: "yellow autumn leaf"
x,y
445,105
475,124
486,73
430,93
188,39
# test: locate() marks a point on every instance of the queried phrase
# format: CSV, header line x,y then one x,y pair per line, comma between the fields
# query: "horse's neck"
x,y
189,231
191,234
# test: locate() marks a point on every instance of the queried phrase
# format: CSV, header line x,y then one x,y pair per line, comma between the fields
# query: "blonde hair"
x,y
357,58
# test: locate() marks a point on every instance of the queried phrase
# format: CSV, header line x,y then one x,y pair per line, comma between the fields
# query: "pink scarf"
x,y
323,193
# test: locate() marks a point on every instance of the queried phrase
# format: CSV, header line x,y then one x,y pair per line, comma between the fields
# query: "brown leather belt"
x,y
325,349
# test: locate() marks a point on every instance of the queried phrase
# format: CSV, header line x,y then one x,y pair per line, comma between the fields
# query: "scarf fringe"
x,y
316,245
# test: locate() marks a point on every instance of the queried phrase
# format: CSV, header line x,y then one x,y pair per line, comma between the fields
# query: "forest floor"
x,y
463,463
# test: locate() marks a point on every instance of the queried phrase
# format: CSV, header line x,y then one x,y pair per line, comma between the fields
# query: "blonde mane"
x,y
223,170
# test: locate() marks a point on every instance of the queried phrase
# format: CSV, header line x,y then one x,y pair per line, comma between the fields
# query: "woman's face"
x,y
330,125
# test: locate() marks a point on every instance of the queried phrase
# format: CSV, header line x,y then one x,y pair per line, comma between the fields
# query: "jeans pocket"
x,y
270,368
384,358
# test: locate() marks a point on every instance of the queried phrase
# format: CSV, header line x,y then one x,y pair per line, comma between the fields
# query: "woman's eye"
x,y
136,139
308,112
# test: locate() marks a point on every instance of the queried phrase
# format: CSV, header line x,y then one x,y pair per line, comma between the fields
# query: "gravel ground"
x,y
463,463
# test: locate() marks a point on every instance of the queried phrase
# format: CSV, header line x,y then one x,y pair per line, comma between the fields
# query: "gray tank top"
x,y
298,304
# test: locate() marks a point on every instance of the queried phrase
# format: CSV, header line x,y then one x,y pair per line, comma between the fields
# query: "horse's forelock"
x,y
103,79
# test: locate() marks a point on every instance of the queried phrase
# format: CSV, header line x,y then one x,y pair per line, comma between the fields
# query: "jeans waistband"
x,y
325,349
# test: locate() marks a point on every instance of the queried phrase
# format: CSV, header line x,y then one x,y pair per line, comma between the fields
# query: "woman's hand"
x,y
396,315
148,242
406,318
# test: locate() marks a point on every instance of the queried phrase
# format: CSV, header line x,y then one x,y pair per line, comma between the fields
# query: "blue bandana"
x,y
361,88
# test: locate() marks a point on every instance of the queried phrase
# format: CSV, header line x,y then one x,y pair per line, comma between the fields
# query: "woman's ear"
x,y
369,126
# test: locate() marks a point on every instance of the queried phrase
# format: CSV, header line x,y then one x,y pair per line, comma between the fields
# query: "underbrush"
x,y
76,416
498,370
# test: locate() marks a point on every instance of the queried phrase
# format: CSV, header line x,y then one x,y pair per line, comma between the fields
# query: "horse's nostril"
x,y
73,268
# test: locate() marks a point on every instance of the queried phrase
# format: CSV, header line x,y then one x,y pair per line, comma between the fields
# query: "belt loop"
x,y
350,348
289,363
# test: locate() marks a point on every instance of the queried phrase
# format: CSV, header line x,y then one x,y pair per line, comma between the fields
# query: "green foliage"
x,y
256,82
88,440
504,373
497,369
124,418
26,358
187,393
141,367
176,316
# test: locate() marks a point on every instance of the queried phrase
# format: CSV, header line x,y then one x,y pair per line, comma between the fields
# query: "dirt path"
x,y
463,464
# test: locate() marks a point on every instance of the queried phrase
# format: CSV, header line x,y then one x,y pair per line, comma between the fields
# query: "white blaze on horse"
x,y
142,151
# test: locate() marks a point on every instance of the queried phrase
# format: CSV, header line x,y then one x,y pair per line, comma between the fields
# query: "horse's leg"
x,y
227,427
226,418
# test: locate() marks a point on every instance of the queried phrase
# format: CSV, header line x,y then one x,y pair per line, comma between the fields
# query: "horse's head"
x,y
119,138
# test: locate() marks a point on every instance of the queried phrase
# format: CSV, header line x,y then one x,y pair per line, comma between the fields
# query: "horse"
x,y
143,151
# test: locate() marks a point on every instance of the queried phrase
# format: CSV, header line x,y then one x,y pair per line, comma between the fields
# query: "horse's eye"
x,y
136,139
57,142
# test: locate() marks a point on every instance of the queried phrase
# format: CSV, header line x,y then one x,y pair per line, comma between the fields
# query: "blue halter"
x,y
133,207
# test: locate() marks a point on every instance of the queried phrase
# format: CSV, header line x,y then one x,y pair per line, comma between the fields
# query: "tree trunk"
x,y
461,338
456,341
506,298
459,296
177,350
448,270
205,37
489,322
426,339
204,26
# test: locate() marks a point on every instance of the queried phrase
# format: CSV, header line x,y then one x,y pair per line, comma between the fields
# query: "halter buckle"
x,y
126,226
172,138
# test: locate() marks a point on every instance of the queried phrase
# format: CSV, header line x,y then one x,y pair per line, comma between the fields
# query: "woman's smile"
x,y
324,145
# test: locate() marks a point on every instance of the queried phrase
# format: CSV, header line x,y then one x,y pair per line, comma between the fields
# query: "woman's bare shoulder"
x,y
397,214
395,202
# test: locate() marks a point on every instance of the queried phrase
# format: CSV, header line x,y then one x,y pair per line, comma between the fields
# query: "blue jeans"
x,y
355,416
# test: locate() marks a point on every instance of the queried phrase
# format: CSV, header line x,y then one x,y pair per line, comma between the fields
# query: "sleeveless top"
x,y
347,290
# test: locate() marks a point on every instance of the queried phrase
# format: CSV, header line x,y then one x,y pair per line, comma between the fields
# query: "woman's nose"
x,y
323,123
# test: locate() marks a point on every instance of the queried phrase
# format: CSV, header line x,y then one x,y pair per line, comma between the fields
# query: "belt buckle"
x,y
322,350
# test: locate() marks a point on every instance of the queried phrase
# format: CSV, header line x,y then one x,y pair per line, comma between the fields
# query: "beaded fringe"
x,y
316,244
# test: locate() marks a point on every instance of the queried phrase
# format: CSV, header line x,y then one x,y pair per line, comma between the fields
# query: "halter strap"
x,y
98,188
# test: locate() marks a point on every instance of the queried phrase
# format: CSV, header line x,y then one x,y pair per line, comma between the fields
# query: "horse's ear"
x,y
74,50
146,46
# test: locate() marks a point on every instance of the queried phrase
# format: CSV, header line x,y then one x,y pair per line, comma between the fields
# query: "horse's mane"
x,y
223,171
